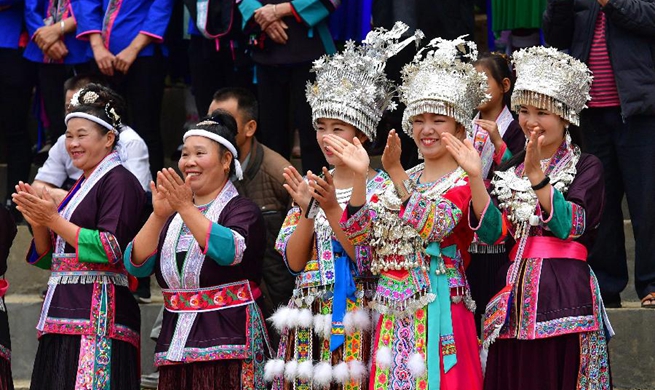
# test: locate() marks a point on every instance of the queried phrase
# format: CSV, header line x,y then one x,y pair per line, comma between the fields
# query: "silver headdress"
x,y
352,86
552,80
443,82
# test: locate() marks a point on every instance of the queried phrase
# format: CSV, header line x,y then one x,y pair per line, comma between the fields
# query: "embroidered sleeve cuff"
x,y
545,218
491,227
43,261
357,226
142,270
295,14
94,246
247,9
500,153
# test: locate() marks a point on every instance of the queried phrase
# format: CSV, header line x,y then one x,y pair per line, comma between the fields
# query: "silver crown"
x,y
552,80
352,86
442,82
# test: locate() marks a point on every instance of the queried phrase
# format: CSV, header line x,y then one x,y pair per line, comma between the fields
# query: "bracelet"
x,y
62,25
541,184
275,11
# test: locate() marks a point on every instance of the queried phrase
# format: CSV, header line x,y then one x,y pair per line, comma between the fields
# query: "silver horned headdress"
x,y
551,80
352,85
443,81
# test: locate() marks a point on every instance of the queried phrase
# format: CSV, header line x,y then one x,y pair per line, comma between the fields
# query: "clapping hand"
x,y
324,191
533,157
352,154
297,187
177,192
37,210
392,153
464,153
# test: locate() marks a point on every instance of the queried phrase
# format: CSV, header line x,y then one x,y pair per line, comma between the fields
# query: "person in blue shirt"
x,y
51,24
16,81
126,39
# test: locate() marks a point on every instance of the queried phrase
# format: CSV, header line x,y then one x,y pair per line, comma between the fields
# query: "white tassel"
x,y
292,318
305,370
383,357
319,326
362,319
340,373
416,365
328,326
279,318
349,323
291,370
357,370
322,374
305,318
484,353
273,369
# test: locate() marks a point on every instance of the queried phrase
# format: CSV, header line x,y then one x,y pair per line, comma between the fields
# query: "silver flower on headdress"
x,y
551,80
90,97
442,82
352,85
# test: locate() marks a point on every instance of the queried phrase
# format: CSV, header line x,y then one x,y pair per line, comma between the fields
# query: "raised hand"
x,y
464,153
533,157
392,152
177,192
490,127
324,191
160,205
297,187
352,154
38,211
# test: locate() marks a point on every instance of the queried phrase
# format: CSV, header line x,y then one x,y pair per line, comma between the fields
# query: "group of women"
x,y
382,298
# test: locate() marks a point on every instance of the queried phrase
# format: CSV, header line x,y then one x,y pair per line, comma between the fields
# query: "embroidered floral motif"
x,y
208,299
578,220
112,247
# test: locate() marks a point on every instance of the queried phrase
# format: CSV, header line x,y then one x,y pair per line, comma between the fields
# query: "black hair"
x,y
500,68
81,80
106,105
246,101
220,122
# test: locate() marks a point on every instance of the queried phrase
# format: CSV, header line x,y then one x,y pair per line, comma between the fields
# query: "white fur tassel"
x,y
291,370
357,370
322,374
349,323
273,369
292,318
328,326
416,365
484,353
305,370
279,318
383,357
319,326
305,318
340,373
362,319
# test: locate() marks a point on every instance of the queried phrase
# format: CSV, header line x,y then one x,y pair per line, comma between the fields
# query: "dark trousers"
x,y
282,108
17,77
627,151
212,70
143,89
51,86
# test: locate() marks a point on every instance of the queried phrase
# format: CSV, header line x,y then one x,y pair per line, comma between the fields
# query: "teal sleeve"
x,y
490,229
143,270
247,9
560,220
311,12
506,156
222,244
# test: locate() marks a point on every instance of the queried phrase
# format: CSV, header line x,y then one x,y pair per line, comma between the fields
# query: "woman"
x,y
418,233
205,244
496,136
547,327
7,234
327,320
89,325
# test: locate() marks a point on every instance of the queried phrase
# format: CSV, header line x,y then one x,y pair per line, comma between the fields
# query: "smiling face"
x,y
545,123
339,128
427,129
86,144
204,164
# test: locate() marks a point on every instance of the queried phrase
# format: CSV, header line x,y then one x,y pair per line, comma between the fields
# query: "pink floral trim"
x,y
123,333
566,325
111,14
221,352
111,247
578,220
66,326
208,299
357,227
